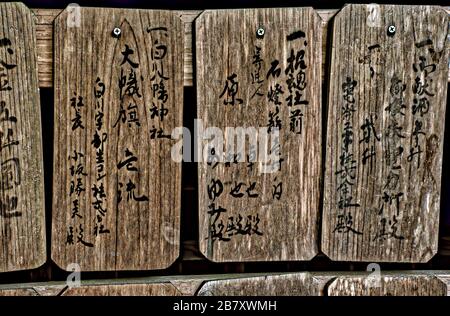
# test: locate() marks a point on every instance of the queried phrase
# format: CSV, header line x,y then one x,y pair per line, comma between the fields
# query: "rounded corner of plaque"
x,y
61,265
316,14
340,12
35,264
201,16
62,13
428,256
40,261
208,256
441,11
311,254
21,6
171,260
442,282
70,15
176,17
327,254
204,289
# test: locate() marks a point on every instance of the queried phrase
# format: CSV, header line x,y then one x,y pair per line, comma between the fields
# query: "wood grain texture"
x,y
44,43
186,285
246,284
263,227
44,31
446,279
158,289
385,134
92,288
188,18
296,284
43,289
392,285
137,225
22,214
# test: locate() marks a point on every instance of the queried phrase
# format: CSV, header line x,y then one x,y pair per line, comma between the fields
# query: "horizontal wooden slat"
x,y
248,284
298,284
389,285
155,285
44,34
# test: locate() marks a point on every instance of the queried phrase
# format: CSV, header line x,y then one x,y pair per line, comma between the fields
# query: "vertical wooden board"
x,y
387,97
300,284
22,213
116,189
257,211
395,285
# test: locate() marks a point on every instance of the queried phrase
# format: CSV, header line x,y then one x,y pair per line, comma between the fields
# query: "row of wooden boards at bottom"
x,y
117,163
376,283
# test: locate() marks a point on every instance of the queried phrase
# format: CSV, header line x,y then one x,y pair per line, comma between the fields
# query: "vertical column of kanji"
x,y
118,96
22,214
259,133
385,133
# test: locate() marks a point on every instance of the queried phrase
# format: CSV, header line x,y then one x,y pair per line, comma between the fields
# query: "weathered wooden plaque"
x,y
22,214
295,284
259,83
118,96
388,285
387,97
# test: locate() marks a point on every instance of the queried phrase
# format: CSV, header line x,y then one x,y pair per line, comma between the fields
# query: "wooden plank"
x,y
96,288
42,289
387,98
154,285
133,222
259,212
250,284
157,289
188,18
391,285
295,284
44,30
446,279
22,213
